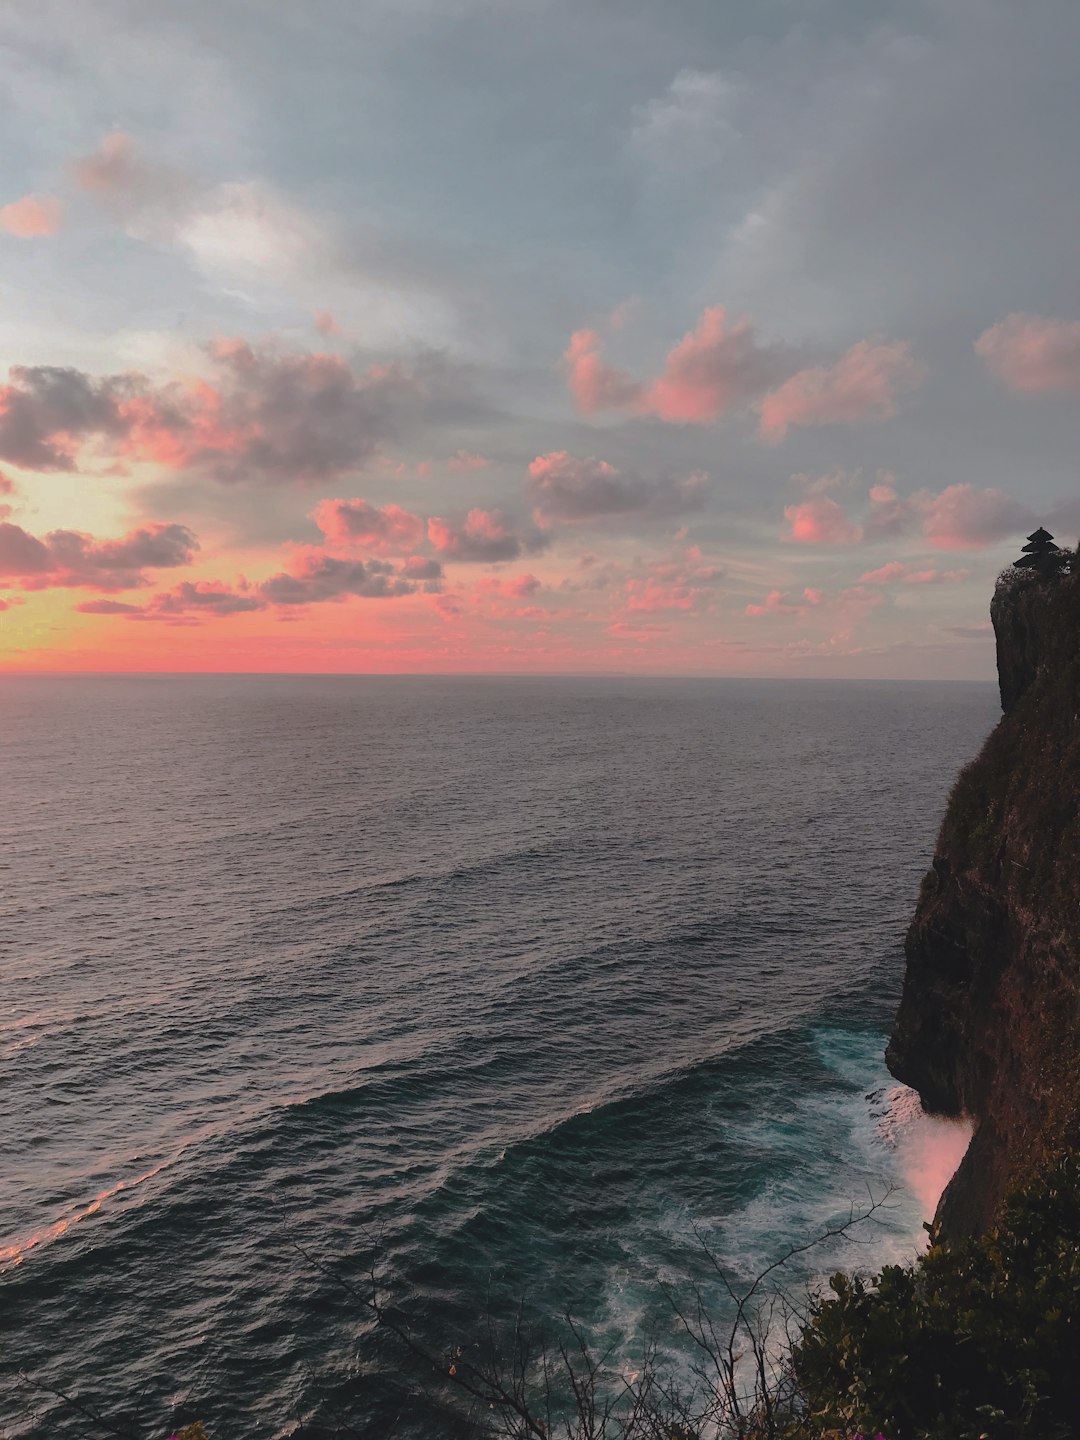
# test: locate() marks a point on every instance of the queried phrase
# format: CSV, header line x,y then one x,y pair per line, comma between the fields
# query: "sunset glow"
x,y
265,406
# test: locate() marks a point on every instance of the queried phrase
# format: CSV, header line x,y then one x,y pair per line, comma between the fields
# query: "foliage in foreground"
x,y
981,1339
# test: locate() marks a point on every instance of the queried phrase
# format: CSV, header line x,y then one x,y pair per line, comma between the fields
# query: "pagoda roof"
x,y
1039,534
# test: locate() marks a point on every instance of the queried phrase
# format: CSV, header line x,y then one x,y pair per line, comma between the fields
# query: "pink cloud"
x,y
69,559
820,521
779,602
934,577
386,529
1033,352
684,582
720,364
421,567
463,462
594,384
448,606
482,537
962,517
32,216
862,386
107,607
712,368
884,574
517,587
888,514
129,186
203,597
325,323
112,166
642,633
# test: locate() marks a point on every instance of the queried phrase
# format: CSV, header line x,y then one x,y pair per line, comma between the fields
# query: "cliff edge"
x,y
989,1019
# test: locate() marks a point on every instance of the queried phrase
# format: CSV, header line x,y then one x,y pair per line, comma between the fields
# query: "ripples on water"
x,y
533,977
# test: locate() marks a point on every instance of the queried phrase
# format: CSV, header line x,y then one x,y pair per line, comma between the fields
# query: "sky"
x,y
634,336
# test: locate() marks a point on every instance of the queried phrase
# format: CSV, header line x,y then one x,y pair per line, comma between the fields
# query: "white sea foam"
x,y
928,1148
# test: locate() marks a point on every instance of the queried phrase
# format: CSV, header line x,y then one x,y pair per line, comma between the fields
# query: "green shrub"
x,y
982,1339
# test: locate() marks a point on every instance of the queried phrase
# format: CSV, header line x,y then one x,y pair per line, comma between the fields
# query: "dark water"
x,y
533,978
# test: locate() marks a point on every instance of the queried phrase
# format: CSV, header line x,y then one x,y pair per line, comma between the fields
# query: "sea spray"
x,y
929,1148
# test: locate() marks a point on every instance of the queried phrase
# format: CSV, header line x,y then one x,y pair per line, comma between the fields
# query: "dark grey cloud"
x,y
69,559
483,537
209,597
564,487
47,410
325,577
264,413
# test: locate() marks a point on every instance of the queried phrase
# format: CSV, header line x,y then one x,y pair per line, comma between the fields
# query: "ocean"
x,y
525,986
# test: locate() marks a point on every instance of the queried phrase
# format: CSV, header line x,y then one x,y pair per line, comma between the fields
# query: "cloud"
x,y
247,233
235,230
32,217
888,514
690,127
962,517
884,574
464,462
935,577
683,582
516,587
822,484
820,521
896,570
121,179
421,567
564,487
7,485
46,411
208,597
107,607
593,384
388,529
263,413
317,577
1032,353
67,558
862,386
713,367
483,536
720,364
779,602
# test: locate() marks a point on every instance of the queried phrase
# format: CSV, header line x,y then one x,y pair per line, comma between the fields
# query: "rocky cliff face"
x,y
989,1019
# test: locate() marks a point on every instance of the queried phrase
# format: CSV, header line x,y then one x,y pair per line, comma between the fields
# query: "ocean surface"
x,y
527,985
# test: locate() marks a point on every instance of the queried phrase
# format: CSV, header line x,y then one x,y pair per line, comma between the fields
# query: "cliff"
x,y
989,1019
